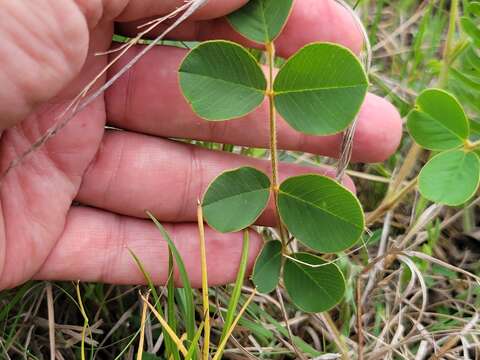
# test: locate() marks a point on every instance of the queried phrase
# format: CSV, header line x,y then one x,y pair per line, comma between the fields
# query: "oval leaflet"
x,y
221,80
438,122
266,271
261,20
320,213
451,177
312,284
235,199
320,89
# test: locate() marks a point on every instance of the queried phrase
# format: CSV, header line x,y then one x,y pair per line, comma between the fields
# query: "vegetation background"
x,y
418,291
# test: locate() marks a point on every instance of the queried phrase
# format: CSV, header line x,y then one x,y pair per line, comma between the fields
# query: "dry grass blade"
x,y
121,321
346,150
382,248
337,337
400,30
287,324
347,140
390,202
221,346
359,318
167,328
51,320
142,329
407,167
452,340
206,302
431,259
424,290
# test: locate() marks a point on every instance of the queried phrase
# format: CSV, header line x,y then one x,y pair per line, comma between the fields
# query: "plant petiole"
x,y
270,48
471,146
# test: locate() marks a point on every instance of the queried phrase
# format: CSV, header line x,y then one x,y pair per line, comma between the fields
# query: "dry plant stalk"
x,y
51,320
348,135
142,329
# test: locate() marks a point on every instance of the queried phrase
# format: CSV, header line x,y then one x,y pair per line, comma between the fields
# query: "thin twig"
x,y
142,329
348,135
358,297
51,320
287,323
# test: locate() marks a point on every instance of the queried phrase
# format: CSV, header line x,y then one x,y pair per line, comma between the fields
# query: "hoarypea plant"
x,y
438,122
318,91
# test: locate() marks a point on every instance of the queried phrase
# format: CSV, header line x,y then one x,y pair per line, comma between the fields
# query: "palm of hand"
x,y
36,196
121,174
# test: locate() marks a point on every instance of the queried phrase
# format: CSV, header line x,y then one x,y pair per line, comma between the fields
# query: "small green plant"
x,y
438,122
318,91
463,66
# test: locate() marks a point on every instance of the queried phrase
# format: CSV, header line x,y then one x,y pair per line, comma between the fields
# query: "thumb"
x,y
44,45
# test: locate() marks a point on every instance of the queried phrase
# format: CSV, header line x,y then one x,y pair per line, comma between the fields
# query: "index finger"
x,y
310,21
136,10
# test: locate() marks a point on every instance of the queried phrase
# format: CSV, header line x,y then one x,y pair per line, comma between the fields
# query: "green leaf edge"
x,y
232,170
247,52
255,265
326,262
450,204
271,40
419,109
341,185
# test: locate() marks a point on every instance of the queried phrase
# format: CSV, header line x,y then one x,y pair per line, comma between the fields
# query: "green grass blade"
x,y
171,319
128,345
148,278
232,305
9,338
301,344
18,296
169,345
221,346
194,345
188,291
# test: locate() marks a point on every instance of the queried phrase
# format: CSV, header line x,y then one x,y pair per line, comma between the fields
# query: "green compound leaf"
x,y
471,29
450,178
235,199
320,89
474,8
315,288
320,213
266,272
261,20
438,121
221,80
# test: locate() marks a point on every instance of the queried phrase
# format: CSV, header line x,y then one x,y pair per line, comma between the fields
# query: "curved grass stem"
x,y
205,300
390,202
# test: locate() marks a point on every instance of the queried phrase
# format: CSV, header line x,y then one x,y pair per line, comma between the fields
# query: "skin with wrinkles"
x,y
48,55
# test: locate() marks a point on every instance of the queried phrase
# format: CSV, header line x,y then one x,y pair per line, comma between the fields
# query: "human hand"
x,y
48,56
